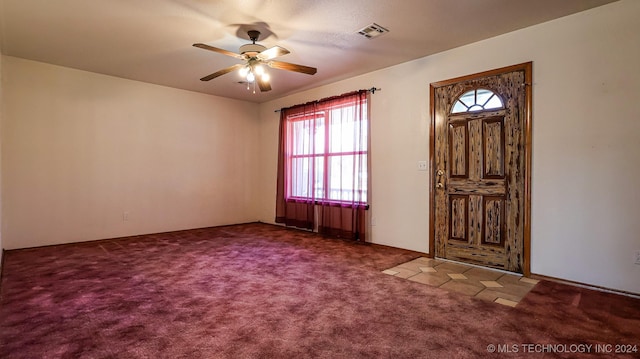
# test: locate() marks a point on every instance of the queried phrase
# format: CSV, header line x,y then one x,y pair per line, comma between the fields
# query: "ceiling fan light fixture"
x,y
258,69
251,77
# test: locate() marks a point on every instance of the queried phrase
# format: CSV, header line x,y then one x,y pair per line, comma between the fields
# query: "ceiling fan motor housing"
x,y
251,49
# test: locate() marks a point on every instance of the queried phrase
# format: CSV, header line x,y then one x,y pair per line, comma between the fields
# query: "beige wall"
x,y
79,149
586,126
1,116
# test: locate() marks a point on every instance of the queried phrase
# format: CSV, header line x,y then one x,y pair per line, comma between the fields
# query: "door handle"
x,y
439,173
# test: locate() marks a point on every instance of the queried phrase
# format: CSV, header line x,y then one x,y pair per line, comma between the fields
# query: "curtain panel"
x,y
323,166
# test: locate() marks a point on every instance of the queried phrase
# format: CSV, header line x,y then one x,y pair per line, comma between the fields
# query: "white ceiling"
x,y
150,40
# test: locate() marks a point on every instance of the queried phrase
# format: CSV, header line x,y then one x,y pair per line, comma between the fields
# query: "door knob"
x,y
440,172
439,185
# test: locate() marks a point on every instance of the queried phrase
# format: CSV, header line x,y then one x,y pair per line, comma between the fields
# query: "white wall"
x,y
586,148
79,149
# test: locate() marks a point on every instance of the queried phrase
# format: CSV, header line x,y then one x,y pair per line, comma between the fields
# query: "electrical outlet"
x,y
636,257
125,216
422,165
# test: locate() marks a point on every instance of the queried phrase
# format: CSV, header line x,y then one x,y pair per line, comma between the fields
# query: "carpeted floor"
x,y
261,291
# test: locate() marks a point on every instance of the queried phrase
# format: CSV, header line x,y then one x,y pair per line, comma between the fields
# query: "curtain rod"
x,y
372,90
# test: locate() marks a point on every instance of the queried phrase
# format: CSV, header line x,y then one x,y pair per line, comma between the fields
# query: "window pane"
x,y
477,100
482,96
468,98
494,102
318,185
348,133
303,137
459,107
347,178
340,133
299,185
319,132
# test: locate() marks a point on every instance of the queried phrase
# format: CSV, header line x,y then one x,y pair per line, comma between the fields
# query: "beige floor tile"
x,y
434,279
389,272
487,294
475,283
529,280
492,292
403,272
448,267
457,276
509,278
461,287
414,265
519,290
428,269
427,262
483,274
506,302
491,284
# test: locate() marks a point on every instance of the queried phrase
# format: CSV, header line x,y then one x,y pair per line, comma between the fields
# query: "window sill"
x,y
329,203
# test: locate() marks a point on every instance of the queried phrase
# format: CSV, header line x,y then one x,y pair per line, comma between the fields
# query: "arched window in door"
x,y
477,100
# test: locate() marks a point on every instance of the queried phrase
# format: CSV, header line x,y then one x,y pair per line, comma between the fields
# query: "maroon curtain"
x,y
323,166
296,212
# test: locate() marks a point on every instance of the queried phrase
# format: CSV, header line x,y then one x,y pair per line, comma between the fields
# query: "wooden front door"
x,y
480,168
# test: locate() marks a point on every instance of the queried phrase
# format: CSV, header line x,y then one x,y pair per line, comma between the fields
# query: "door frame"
x,y
527,68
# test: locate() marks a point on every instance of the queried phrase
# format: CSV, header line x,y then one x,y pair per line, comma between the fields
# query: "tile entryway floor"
x,y
487,284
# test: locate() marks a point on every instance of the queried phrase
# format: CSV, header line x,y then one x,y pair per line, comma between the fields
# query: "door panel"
x,y
493,216
459,208
493,147
479,167
458,150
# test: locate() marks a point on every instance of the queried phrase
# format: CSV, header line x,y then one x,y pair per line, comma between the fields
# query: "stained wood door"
x,y
480,168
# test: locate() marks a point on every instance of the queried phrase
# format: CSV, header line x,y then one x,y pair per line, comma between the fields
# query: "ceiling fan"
x,y
254,57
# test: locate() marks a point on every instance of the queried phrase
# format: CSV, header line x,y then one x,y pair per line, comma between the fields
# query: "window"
x,y
323,155
327,157
477,100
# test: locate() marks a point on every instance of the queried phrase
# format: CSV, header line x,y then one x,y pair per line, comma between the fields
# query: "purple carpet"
x,y
262,291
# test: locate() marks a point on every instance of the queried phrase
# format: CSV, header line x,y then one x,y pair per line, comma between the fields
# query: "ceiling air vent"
x,y
373,30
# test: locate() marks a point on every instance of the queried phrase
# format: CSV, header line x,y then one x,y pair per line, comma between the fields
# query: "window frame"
x,y
469,109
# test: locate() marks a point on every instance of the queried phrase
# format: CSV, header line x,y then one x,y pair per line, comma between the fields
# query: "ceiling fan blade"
x,y
272,53
222,72
292,67
264,85
222,51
